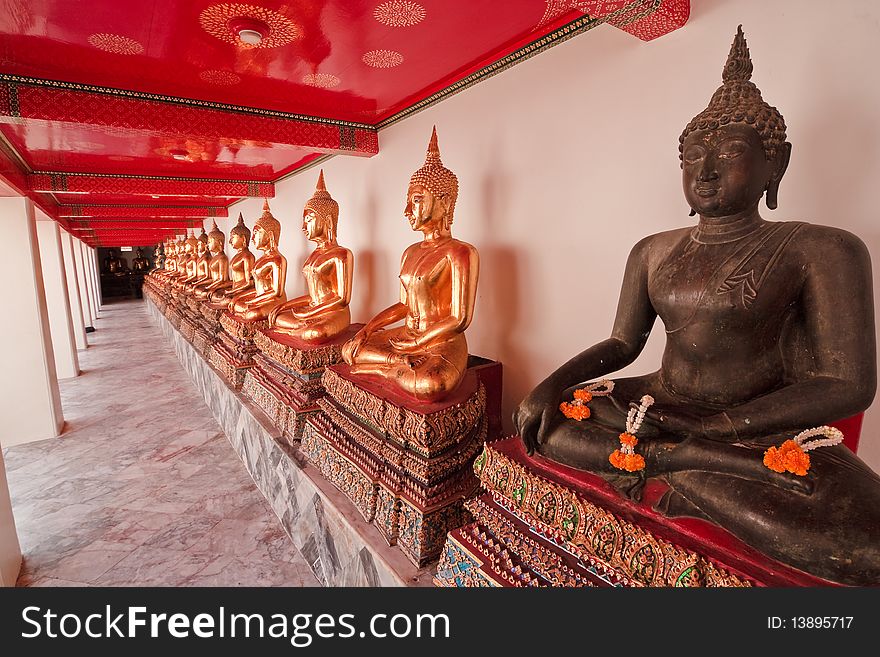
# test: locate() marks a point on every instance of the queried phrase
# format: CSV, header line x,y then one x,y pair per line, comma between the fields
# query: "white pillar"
x,y
30,404
10,550
90,274
99,302
76,313
79,252
57,300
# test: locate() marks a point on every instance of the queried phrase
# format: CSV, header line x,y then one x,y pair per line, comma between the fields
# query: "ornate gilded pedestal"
x,y
540,523
285,379
190,316
175,309
406,465
233,351
207,329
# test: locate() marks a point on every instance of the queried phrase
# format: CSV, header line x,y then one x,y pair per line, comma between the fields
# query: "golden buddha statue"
x,y
202,263
170,259
178,264
322,313
269,272
161,257
240,268
218,264
769,334
427,356
186,263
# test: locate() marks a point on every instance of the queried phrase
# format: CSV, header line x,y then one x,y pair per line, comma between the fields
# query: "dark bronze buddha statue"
x,y
140,264
770,331
113,264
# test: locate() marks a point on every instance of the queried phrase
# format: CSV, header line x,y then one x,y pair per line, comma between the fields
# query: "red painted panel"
x,y
117,199
151,211
51,146
88,184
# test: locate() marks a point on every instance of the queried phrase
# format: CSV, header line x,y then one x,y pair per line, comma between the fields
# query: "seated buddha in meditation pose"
x,y
241,266
323,312
186,263
113,264
140,263
203,263
218,264
269,272
162,258
769,331
427,356
178,248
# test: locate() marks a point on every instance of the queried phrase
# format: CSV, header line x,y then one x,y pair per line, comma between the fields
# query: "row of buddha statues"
x,y
769,330
426,357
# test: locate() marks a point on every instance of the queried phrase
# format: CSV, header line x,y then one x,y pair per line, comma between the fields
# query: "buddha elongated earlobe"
x,y
776,178
692,213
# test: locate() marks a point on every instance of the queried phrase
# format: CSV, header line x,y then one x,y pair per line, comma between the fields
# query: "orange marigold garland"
x,y
792,454
626,458
578,409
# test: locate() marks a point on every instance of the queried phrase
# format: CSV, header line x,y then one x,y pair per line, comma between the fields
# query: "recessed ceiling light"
x,y
249,31
251,37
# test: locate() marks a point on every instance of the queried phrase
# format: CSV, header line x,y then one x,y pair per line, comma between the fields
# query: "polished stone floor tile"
x,y
142,488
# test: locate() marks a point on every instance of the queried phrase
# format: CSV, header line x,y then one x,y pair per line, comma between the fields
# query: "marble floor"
x,y
142,488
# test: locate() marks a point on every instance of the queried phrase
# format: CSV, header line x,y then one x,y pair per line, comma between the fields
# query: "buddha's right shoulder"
x,y
660,241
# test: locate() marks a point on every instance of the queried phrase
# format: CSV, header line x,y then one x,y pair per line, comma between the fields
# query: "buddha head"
x,y
734,150
240,235
321,214
190,244
432,193
215,239
202,245
267,230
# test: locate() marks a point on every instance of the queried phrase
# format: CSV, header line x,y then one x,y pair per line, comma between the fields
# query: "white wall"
x,y
568,159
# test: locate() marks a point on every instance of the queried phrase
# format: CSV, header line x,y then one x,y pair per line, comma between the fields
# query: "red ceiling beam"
x,y
72,183
122,224
131,112
147,211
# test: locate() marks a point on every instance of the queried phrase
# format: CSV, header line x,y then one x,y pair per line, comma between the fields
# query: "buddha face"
x,y
214,244
423,210
188,248
236,241
312,226
725,171
260,237
200,248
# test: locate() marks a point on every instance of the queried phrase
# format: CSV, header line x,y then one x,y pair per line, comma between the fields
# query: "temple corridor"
x,y
142,488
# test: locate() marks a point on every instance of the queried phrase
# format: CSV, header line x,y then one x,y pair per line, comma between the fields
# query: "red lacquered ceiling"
x,y
165,89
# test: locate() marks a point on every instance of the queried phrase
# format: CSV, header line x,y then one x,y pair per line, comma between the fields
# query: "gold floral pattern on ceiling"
x,y
382,58
215,20
399,13
219,78
321,80
116,43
